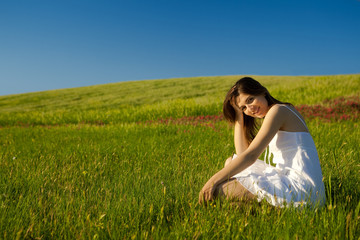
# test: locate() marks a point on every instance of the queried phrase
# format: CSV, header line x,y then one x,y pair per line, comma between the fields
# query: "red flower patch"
x,y
339,109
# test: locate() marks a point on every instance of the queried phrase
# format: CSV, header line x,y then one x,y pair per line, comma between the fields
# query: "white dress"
x,y
296,178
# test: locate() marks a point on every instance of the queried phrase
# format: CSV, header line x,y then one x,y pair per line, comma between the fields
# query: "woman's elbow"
x,y
251,157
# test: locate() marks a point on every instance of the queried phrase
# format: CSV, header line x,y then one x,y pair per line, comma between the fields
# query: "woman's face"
x,y
253,106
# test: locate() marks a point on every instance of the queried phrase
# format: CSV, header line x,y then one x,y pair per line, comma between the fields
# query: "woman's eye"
x,y
251,100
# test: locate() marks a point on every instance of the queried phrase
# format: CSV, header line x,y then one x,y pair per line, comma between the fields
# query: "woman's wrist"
x,y
239,121
218,178
239,117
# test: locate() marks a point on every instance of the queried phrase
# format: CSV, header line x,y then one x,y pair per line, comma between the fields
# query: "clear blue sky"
x,y
52,44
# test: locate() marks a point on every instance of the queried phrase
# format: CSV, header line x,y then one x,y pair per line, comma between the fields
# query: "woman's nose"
x,y
249,106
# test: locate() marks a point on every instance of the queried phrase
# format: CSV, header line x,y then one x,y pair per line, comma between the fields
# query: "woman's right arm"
x,y
240,141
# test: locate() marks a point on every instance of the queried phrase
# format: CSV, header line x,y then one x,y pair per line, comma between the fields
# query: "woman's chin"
x,y
260,115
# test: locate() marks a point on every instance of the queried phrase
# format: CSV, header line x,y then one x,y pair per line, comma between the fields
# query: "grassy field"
x,y
127,161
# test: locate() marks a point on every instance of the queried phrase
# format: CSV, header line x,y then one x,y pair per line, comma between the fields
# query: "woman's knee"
x,y
234,190
227,161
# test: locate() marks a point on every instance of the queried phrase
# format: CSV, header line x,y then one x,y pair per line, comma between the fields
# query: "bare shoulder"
x,y
278,115
288,117
277,110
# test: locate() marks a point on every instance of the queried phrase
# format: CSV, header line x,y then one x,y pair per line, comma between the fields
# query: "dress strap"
x,y
296,115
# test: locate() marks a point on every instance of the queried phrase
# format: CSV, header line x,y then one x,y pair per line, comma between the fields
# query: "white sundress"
x,y
296,178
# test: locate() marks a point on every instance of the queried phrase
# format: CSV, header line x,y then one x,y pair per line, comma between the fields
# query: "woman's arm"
x,y
240,141
273,121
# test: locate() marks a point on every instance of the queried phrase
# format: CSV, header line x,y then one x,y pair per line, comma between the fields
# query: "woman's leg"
x,y
227,161
232,189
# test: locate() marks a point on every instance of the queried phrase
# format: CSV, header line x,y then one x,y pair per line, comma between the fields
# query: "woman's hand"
x,y
207,192
238,111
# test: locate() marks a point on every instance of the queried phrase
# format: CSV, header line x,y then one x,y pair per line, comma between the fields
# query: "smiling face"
x,y
253,106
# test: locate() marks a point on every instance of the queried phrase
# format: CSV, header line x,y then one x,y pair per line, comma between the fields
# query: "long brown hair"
x,y
249,86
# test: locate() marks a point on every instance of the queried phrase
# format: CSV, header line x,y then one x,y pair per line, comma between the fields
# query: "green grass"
x,y
64,175
144,100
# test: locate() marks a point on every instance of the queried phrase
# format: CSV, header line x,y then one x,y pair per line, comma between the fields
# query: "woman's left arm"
x,y
273,121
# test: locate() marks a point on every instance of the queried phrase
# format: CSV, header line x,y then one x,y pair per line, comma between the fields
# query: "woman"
x,y
296,177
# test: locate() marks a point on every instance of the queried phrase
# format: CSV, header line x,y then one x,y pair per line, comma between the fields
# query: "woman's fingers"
x,y
206,195
234,105
238,111
201,197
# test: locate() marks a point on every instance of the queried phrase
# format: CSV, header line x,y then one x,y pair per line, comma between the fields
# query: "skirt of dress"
x,y
279,187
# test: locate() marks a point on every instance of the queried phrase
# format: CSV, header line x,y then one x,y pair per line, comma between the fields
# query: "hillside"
x,y
153,99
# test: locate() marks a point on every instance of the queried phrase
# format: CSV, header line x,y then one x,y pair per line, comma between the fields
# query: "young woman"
x,y
296,178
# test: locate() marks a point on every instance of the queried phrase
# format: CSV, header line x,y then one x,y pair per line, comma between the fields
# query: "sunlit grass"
x,y
103,174
153,99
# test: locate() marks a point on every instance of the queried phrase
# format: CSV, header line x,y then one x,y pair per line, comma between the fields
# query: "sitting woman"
x,y
296,178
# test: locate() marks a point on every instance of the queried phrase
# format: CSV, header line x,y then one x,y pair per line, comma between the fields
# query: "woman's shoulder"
x,y
286,109
280,112
287,114
277,113
279,109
